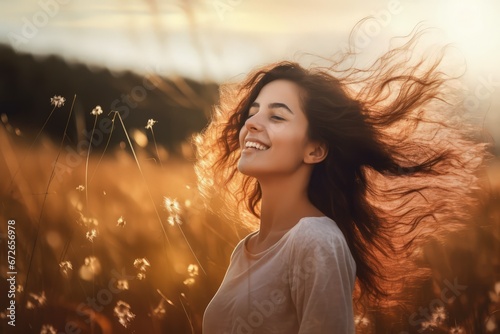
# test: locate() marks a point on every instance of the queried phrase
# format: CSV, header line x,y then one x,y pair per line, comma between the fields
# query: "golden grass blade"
x,y
143,177
45,199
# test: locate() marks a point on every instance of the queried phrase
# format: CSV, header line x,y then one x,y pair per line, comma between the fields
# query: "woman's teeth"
x,y
251,144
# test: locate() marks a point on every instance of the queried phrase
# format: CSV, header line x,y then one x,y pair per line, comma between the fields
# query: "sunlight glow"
x,y
472,26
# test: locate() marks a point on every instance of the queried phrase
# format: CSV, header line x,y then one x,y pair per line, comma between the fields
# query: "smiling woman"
x,y
347,173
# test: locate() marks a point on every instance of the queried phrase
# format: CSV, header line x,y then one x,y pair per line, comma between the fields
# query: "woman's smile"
x,y
253,145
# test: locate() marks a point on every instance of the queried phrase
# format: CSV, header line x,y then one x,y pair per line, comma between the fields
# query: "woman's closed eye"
x,y
274,117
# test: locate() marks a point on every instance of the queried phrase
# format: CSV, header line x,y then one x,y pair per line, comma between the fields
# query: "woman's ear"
x,y
315,153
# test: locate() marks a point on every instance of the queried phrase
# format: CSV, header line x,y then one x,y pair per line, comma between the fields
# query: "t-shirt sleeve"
x,y
321,279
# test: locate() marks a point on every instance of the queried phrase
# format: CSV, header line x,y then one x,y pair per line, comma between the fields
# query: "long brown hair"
x,y
401,166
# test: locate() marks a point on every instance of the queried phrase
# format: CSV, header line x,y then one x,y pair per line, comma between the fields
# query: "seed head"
x,y
122,284
121,222
160,310
193,270
189,281
457,330
141,264
48,329
57,101
123,313
150,124
65,266
40,300
91,235
96,111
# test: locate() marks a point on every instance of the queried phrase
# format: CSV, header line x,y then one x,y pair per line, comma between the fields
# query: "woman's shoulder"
x,y
319,238
311,232
316,228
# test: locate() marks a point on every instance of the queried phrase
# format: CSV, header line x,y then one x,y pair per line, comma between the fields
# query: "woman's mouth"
x,y
251,145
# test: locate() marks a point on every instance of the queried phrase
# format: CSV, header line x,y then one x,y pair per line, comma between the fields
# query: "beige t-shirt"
x,y
301,284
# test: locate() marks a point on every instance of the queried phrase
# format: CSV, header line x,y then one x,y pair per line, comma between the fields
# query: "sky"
x,y
220,39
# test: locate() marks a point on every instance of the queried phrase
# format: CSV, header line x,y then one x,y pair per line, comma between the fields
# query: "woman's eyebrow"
x,y
274,105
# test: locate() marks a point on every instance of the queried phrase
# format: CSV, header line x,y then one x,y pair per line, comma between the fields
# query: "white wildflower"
x,y
457,330
96,111
189,281
65,266
121,222
90,268
427,325
360,321
40,299
57,101
193,270
172,205
90,235
174,210
141,264
122,284
439,315
88,221
123,313
174,219
150,124
160,310
48,329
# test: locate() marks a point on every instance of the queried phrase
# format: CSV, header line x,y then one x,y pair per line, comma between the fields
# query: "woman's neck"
x,y
284,203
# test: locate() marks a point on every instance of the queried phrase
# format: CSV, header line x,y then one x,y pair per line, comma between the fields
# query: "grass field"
x,y
115,240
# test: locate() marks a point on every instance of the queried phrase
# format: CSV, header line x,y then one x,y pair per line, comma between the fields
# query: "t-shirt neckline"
x,y
283,237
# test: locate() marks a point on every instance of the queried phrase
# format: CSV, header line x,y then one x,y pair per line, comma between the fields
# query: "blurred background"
x,y
115,238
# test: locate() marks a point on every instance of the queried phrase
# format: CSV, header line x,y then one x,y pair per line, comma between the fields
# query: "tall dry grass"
x,y
124,219
99,250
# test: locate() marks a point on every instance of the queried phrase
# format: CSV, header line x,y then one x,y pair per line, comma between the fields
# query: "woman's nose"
x,y
254,123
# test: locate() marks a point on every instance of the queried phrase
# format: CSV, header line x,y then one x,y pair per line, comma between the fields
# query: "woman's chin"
x,y
244,169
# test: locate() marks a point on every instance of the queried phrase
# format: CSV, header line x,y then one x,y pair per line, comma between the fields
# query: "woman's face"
x,y
274,138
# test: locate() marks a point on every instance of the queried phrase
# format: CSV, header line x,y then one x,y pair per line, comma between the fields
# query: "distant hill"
x,y
27,83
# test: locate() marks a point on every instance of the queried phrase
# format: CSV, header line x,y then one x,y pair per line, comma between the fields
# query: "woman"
x,y
346,172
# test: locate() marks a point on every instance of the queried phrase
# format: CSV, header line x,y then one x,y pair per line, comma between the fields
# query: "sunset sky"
x,y
219,39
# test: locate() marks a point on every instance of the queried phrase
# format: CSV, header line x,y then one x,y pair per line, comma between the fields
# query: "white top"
x,y
301,284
